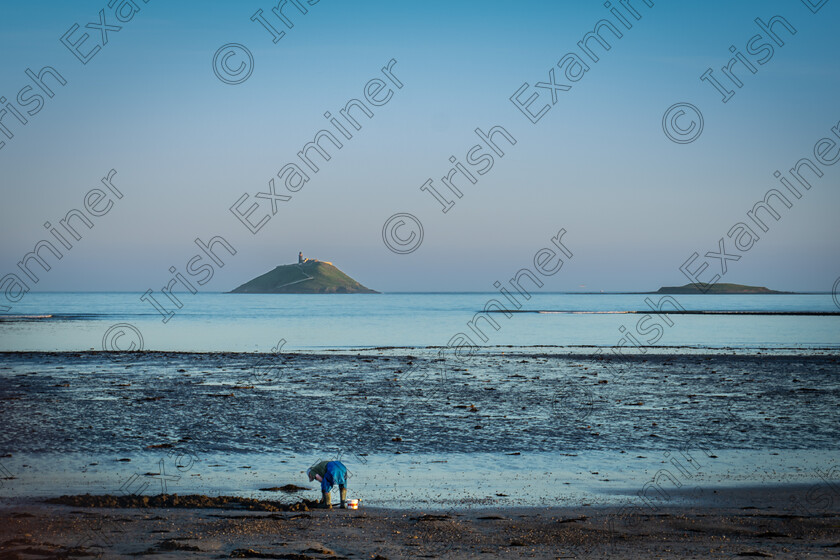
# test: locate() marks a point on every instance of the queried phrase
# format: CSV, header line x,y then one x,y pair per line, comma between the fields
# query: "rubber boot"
x,y
343,492
325,501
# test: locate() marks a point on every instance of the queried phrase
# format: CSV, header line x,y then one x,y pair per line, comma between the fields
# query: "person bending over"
x,y
329,473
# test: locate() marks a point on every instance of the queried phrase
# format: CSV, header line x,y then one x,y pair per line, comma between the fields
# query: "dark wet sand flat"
x,y
501,402
748,527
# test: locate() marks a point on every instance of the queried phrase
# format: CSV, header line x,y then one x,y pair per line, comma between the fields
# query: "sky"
x,y
636,205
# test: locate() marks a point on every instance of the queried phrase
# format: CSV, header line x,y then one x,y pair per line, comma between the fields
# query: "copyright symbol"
x,y
402,233
226,70
110,341
834,295
682,123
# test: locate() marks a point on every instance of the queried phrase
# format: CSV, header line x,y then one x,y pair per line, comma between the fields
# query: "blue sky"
x,y
636,205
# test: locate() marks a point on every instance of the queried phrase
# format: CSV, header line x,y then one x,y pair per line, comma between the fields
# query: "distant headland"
x,y
719,288
308,276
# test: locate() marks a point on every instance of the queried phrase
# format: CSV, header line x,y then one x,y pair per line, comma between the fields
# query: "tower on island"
x,y
302,259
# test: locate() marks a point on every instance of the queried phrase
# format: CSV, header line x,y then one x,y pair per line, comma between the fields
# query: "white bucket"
x,y
352,504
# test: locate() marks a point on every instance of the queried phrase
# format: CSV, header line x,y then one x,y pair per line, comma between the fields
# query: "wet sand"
x,y
746,522
512,455
390,401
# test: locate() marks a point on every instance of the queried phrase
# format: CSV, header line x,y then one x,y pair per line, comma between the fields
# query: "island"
x,y
719,288
308,276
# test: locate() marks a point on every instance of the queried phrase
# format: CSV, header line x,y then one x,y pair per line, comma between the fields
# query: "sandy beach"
x,y
513,455
751,524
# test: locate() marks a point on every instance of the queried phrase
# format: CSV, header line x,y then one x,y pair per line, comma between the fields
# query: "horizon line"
x,y
602,292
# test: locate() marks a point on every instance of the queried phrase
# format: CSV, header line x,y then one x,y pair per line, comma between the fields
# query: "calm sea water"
x,y
238,322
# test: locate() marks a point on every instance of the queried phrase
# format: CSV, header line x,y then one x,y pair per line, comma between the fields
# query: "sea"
x,y
574,399
221,322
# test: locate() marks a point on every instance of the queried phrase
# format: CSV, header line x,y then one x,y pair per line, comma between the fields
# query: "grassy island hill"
x,y
309,277
719,288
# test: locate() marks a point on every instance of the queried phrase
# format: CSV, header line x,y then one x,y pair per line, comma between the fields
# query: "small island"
x,y
308,276
719,288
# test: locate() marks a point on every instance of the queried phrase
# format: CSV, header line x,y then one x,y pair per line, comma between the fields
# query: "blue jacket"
x,y
332,473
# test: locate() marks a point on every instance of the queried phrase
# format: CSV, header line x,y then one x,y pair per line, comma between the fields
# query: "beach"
x,y
512,453
744,523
